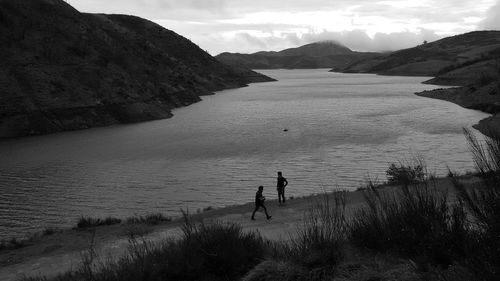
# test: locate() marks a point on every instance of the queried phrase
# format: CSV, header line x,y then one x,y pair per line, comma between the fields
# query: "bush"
x,y
415,222
152,219
85,222
482,200
218,251
215,251
319,245
272,270
406,174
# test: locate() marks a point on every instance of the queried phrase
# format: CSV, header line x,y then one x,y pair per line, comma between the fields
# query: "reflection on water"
x,y
323,130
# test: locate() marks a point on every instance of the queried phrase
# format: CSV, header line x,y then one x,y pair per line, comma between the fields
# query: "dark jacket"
x,y
282,182
259,198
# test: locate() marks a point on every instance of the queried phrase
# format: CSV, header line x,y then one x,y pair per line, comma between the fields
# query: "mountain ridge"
x,y
325,54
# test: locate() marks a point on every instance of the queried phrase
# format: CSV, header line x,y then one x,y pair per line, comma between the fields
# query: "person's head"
x,y
261,188
279,174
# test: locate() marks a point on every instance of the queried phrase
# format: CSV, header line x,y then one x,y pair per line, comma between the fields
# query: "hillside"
x,y
435,58
315,55
478,74
64,70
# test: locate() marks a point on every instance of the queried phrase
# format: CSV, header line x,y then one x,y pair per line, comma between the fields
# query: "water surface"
x,y
323,130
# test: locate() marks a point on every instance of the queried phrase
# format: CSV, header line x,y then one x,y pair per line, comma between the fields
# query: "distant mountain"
x,y
63,70
433,59
316,55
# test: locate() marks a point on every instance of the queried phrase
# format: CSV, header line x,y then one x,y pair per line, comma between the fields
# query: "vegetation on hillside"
x,y
64,70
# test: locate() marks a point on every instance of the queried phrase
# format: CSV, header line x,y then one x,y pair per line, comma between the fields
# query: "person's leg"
x,y
283,194
281,198
265,211
255,210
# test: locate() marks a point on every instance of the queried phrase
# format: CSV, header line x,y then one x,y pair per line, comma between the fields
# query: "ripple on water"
x,y
340,129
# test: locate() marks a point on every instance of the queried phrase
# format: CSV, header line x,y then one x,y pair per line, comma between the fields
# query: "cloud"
x,y
357,40
492,20
249,26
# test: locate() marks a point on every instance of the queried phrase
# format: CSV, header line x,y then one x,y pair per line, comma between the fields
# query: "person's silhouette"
x,y
280,186
259,202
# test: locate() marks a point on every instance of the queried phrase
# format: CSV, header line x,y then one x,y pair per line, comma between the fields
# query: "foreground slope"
x,y
63,70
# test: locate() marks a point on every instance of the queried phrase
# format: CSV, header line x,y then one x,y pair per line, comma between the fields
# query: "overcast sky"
x,y
247,26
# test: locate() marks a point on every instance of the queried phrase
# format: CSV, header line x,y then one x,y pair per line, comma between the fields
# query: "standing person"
x,y
259,202
280,186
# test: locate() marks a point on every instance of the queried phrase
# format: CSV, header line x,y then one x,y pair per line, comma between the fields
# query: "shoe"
x,y
253,219
269,217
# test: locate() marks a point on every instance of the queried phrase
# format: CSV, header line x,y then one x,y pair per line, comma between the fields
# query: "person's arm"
x,y
286,182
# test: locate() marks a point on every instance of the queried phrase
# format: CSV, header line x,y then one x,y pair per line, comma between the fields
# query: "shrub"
x,y
319,245
415,222
153,219
406,174
85,222
482,200
49,231
272,270
216,251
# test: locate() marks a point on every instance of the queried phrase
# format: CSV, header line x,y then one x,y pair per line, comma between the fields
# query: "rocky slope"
x,y
315,55
63,70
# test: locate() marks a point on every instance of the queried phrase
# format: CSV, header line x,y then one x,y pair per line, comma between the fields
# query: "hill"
x,y
63,70
477,71
315,55
433,59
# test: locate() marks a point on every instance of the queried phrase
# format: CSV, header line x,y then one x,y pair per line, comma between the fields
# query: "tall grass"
x,y
319,245
151,219
216,251
482,201
86,222
415,221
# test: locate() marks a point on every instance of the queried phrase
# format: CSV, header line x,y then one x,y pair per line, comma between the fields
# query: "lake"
x,y
324,130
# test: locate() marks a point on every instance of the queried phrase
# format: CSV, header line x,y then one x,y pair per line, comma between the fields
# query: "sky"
x,y
247,26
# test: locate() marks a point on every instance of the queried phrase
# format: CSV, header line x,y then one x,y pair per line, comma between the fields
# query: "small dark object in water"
x,y
285,130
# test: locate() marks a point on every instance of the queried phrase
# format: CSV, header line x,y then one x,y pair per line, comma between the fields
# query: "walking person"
x,y
259,202
280,186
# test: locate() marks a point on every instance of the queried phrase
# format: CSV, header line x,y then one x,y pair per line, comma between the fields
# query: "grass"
x,y
86,222
416,223
17,243
215,251
482,202
151,219
450,241
316,249
319,242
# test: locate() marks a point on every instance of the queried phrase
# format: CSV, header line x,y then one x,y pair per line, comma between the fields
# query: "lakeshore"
x,y
62,251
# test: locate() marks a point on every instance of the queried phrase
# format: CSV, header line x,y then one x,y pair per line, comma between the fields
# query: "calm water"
x,y
341,127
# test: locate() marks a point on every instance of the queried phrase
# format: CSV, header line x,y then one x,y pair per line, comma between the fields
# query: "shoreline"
x,y
482,98
62,251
